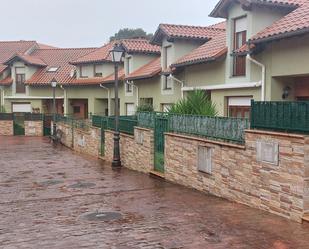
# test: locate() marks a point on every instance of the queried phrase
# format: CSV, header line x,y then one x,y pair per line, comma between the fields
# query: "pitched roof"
x,y
2,67
29,59
56,58
6,82
294,23
140,46
172,31
210,51
111,77
9,48
149,70
101,54
87,81
222,5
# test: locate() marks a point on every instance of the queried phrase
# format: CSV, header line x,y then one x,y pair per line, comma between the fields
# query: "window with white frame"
x,y
166,107
52,69
167,59
204,162
129,88
97,71
128,65
167,83
82,70
130,109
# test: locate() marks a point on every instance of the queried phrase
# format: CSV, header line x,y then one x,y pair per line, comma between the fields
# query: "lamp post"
x,y
117,54
54,85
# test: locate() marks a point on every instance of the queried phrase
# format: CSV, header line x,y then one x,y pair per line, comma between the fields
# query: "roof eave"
x,y
280,36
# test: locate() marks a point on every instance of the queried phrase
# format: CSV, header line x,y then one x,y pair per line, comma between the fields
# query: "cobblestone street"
x,y
46,194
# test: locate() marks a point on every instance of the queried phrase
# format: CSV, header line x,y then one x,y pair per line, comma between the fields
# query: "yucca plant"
x,y
196,103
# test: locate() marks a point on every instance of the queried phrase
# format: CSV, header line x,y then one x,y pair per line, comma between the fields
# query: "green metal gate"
x,y
19,124
47,124
161,126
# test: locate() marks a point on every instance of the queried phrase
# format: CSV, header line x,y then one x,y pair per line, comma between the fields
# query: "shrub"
x,y
145,108
196,103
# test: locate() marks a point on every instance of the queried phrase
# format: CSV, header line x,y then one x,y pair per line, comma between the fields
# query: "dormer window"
x,y
82,73
52,69
240,38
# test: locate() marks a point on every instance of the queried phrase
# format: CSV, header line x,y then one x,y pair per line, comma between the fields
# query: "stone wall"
x,y
238,174
6,128
137,152
34,128
83,141
88,141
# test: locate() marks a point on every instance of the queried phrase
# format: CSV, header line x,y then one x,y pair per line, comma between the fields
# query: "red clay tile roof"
x,y
87,81
7,81
30,59
56,58
245,49
210,51
172,31
111,77
9,48
149,70
101,54
2,67
222,5
140,46
296,22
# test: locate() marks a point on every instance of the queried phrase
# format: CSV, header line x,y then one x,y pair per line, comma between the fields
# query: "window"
x,y
204,163
165,107
240,38
130,109
52,69
128,65
166,57
96,72
20,79
76,109
129,88
239,107
167,83
147,101
82,73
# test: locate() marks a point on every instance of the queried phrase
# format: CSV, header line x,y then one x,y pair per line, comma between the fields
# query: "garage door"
x,y
22,107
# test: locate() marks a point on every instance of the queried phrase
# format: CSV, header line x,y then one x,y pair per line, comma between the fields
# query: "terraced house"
x,y
259,52
262,55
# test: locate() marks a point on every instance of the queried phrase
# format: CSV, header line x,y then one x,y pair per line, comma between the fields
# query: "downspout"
x,y
65,99
108,99
263,75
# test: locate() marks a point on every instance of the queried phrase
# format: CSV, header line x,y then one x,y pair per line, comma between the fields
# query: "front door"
x,y
19,124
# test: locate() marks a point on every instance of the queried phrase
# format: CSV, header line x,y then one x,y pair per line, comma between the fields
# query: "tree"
x,y
196,103
127,33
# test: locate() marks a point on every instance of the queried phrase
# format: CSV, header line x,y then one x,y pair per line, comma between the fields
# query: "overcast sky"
x,y
85,23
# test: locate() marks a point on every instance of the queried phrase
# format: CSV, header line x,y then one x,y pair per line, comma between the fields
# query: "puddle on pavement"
x,y
82,185
102,216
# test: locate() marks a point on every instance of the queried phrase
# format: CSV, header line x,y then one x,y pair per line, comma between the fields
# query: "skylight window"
x,y
52,69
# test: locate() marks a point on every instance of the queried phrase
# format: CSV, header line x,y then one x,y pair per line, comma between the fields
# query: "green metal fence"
x,y
34,116
222,128
280,116
217,128
126,123
6,116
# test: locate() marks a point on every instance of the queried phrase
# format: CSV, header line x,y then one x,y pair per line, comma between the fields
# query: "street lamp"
x,y
54,85
117,54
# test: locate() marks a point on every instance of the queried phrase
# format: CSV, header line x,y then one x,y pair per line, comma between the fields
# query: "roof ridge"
x,y
66,48
11,41
191,26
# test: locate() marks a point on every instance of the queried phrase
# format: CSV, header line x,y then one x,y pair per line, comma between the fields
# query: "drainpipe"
x,y
2,96
108,98
182,83
263,75
137,91
65,99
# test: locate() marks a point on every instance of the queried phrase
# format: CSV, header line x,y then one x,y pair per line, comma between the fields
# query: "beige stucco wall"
x,y
88,69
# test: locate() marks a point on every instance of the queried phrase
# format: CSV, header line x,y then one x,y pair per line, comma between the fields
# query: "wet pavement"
x,y
54,198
